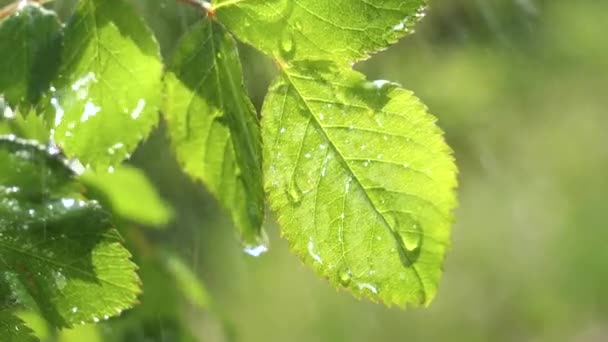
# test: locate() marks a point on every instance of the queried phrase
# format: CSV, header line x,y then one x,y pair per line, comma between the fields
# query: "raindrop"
x,y
294,193
313,254
287,44
345,277
368,286
257,246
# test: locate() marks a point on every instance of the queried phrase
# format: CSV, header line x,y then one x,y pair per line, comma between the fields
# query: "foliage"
x,y
357,173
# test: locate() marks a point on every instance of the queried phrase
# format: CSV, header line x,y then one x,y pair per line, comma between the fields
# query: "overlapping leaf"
x,y
361,180
213,125
339,30
106,98
56,248
12,329
30,47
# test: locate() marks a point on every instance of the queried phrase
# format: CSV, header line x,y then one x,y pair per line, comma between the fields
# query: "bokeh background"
x,y
521,89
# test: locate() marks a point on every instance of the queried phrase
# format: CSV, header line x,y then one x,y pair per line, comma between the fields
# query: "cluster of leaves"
x,y
357,173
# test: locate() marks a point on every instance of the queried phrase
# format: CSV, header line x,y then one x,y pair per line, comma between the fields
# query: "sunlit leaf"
x,y
339,30
130,195
361,180
56,246
30,46
107,95
213,126
25,125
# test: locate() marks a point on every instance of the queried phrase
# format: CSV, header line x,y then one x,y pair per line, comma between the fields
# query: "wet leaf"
x,y
30,46
339,30
57,248
361,180
213,126
107,95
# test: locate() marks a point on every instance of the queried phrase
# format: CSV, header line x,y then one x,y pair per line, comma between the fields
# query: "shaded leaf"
x,y
108,91
30,47
213,125
130,195
339,30
55,246
12,329
361,181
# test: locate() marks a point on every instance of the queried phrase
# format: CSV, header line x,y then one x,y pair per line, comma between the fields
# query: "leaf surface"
x,y
30,47
361,181
339,30
213,126
57,248
107,95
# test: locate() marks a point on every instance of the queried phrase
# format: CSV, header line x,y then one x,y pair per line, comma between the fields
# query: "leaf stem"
x,y
227,3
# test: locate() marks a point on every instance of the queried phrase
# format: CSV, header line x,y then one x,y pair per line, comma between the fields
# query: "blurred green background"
x,y
521,89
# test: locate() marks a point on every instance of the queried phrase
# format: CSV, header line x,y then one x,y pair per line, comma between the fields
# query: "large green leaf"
x,y
361,180
30,47
57,248
107,95
339,30
213,126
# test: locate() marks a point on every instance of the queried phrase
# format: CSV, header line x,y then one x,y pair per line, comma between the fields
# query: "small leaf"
x,y
339,30
213,125
55,246
30,47
13,329
361,181
108,92
130,194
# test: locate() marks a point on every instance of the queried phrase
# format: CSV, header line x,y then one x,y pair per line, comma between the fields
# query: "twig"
x,y
11,8
204,6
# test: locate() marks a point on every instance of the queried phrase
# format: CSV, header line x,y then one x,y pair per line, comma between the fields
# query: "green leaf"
x,y
130,194
361,180
339,30
107,95
30,47
27,126
213,126
55,246
12,329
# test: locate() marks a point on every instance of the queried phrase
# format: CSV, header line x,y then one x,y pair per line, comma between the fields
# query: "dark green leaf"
x,y
12,329
30,47
55,245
